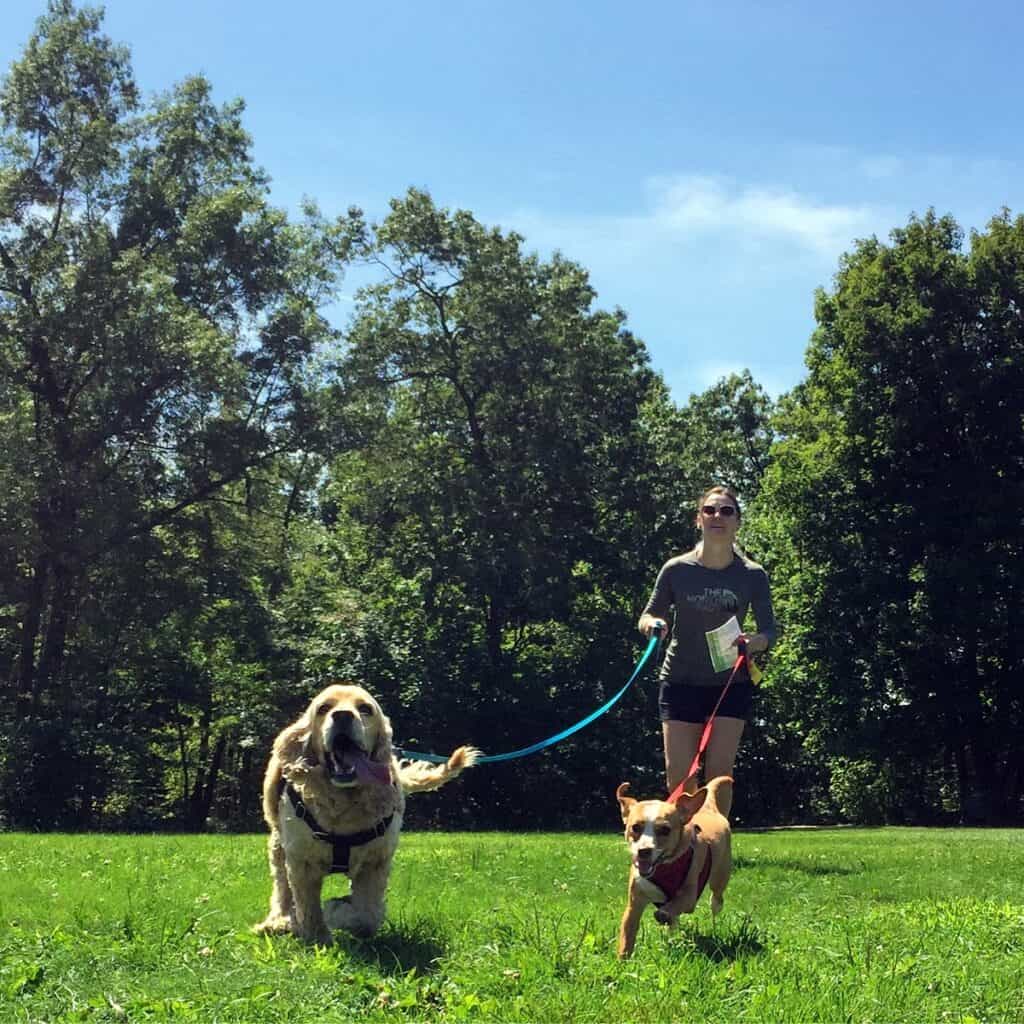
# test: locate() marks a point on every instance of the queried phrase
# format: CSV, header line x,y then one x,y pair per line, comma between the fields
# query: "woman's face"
x,y
719,518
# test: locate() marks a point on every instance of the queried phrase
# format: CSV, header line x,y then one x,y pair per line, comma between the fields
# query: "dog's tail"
x,y
421,776
719,796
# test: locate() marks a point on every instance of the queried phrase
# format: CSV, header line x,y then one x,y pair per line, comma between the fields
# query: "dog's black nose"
x,y
343,714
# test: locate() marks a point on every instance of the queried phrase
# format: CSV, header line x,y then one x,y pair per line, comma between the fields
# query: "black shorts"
x,y
684,702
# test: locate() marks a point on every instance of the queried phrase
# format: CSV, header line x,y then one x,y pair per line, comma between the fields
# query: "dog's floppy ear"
x,y
295,743
625,802
688,804
382,748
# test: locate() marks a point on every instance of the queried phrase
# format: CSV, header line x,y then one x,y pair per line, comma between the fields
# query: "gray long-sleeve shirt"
x,y
703,600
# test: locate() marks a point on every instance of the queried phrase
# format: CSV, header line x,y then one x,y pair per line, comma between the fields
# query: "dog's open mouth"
x,y
348,764
645,866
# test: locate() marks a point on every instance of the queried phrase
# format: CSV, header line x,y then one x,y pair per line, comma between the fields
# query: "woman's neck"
x,y
715,556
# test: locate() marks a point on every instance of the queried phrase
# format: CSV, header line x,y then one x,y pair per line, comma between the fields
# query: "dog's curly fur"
x,y
343,801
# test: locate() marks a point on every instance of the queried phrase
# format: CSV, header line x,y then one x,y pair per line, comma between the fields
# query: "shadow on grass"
x,y
794,864
745,941
397,949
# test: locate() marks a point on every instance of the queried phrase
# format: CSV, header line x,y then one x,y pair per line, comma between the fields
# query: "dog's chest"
x,y
653,892
297,837
347,846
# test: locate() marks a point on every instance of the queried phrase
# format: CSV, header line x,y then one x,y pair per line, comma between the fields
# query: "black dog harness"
x,y
341,845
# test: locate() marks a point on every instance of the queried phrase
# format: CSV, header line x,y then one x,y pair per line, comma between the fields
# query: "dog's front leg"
x,y
279,917
630,922
362,911
307,916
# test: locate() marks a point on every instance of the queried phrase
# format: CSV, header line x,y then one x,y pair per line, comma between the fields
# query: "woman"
x,y
707,587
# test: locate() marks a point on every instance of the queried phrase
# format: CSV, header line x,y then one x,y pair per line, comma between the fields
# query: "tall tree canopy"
x,y
212,501
156,314
502,413
893,508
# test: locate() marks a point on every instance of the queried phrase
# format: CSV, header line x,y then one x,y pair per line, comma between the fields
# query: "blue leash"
x,y
513,754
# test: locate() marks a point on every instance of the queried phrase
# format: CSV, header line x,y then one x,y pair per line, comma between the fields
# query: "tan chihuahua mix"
x,y
676,849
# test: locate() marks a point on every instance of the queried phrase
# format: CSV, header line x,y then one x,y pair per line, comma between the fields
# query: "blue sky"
x,y
707,162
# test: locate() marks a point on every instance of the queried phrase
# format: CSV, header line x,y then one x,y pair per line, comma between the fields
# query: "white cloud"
x,y
774,228
717,271
692,203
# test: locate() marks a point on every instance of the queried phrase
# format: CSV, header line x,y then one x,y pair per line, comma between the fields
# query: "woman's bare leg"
x,y
681,741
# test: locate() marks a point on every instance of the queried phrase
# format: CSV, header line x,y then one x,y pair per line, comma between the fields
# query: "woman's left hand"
x,y
755,642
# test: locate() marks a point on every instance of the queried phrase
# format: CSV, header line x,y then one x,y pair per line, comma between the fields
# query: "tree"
x,y
502,392
721,436
893,509
156,317
502,416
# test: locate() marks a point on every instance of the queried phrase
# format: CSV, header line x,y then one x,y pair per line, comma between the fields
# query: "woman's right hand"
x,y
648,623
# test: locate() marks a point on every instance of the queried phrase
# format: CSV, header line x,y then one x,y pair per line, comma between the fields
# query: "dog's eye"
x,y
366,709
637,829
323,709
661,831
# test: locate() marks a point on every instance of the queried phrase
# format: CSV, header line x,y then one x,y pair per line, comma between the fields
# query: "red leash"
x,y
706,734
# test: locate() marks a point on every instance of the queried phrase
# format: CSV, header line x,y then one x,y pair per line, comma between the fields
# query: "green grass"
x,y
834,925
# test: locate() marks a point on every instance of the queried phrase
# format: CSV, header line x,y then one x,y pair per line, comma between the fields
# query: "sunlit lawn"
x,y
832,925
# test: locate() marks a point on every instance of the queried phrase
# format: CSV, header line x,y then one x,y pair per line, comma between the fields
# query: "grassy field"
x,y
834,925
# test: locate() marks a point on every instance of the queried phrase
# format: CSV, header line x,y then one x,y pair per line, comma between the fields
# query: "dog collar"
x,y
341,844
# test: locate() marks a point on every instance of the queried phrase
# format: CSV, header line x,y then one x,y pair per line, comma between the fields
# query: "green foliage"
x,y
859,789
156,315
504,403
212,502
494,498
888,512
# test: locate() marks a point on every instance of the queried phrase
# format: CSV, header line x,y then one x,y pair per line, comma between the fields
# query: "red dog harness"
x,y
669,877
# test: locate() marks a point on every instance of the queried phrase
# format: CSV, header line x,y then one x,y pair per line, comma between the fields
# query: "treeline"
x,y
213,499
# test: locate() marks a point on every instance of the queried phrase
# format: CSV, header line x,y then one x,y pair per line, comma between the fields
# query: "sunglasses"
x,y
725,511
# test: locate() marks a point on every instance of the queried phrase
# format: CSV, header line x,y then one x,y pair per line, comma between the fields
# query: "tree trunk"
x,y
51,660
495,627
200,810
26,668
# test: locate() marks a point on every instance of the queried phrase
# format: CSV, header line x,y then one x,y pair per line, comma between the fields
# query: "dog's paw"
x,y
342,915
662,918
276,924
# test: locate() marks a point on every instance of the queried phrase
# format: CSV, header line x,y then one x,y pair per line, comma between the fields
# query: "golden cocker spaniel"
x,y
334,796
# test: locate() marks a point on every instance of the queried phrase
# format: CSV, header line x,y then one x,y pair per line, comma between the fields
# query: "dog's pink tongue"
x,y
371,771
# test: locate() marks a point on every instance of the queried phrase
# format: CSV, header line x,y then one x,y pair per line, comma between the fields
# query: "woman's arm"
x,y
764,616
658,605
